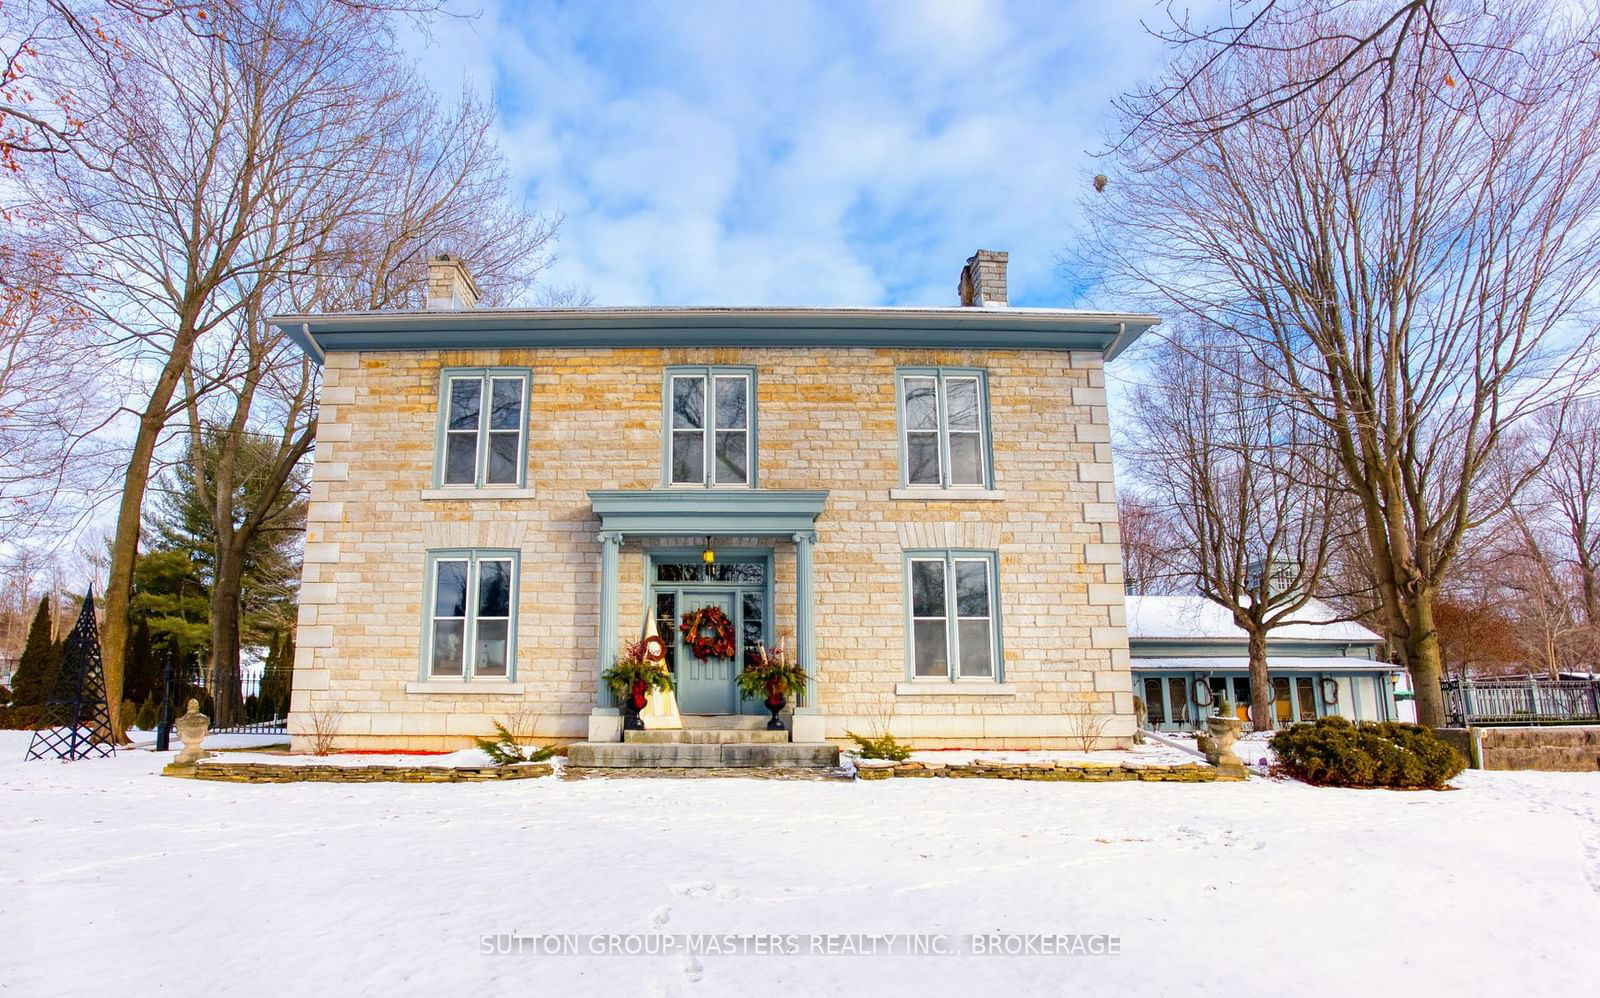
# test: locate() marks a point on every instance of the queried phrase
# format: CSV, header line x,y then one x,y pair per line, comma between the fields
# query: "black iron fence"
x,y
243,708
1521,701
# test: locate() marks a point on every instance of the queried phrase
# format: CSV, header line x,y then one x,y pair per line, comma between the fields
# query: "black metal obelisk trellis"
x,y
79,719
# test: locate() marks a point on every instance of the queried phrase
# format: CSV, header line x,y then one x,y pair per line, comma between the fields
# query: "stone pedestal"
x,y
192,728
605,725
808,724
1224,731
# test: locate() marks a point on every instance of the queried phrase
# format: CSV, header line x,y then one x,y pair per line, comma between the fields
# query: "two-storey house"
x,y
918,502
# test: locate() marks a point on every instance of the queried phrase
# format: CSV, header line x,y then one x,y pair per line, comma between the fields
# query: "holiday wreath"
x,y
708,632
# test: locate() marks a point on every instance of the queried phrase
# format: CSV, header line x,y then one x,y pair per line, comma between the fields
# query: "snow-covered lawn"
x,y
114,880
1149,754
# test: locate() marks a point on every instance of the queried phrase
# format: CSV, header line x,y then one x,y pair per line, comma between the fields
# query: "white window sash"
x,y
988,618
470,622
485,417
434,617
710,377
674,431
911,596
712,429
480,464
942,430
948,470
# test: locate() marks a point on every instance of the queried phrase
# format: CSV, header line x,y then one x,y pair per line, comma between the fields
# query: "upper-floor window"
x,y
471,621
483,427
710,426
944,425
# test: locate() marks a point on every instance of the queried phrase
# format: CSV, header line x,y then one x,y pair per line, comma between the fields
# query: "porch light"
x,y
708,556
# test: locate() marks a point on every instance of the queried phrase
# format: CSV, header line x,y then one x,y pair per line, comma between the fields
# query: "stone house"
x,y
917,502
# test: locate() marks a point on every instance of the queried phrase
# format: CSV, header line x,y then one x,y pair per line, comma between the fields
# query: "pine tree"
x,y
39,669
142,674
277,676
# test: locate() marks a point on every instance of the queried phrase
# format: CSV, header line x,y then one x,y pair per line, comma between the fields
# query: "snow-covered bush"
x,y
1334,752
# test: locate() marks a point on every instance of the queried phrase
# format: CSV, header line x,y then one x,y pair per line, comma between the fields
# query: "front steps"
x,y
704,747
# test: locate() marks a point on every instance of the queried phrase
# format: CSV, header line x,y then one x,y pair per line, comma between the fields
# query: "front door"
x,y
705,686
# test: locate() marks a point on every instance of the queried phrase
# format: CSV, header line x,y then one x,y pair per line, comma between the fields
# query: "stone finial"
x,y
450,284
983,279
192,728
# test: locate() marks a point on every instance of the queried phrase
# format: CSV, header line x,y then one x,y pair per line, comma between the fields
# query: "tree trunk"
x,y
1422,659
125,547
222,678
1261,697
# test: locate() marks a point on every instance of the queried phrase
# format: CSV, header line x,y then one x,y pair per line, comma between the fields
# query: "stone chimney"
x,y
450,284
983,279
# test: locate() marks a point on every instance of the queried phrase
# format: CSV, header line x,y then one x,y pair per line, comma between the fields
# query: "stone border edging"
x,y
259,772
1077,772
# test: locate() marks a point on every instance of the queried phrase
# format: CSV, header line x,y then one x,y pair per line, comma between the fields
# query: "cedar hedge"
x,y
24,717
1333,752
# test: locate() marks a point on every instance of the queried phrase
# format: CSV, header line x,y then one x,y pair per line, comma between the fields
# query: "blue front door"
x,y
705,686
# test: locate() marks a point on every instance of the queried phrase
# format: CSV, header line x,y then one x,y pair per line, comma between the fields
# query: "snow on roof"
x,y
1195,618
1241,663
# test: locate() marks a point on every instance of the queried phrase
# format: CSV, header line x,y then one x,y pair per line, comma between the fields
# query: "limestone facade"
x,y
826,419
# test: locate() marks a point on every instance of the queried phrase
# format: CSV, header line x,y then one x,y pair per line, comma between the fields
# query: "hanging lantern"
x,y
708,556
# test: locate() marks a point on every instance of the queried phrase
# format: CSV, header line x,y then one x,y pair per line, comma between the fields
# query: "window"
x,y
1154,711
1178,693
710,426
471,621
483,433
1306,693
953,625
945,426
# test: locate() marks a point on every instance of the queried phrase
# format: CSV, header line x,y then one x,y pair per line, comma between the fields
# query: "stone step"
x,y
692,755
742,722
705,736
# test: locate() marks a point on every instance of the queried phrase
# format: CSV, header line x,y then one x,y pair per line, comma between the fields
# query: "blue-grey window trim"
x,y
997,643
473,556
939,374
709,371
482,463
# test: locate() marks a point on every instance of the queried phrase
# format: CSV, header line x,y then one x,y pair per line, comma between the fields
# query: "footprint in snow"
x,y
703,888
661,917
693,970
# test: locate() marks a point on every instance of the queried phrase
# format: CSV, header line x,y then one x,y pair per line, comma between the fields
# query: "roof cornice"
x,y
1107,333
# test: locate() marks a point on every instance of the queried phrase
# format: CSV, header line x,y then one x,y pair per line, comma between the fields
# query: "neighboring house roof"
x,y
1276,663
1107,333
1195,618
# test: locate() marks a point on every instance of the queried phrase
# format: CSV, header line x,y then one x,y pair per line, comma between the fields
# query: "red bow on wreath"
x,y
708,632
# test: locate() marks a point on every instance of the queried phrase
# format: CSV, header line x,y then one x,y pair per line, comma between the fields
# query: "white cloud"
x,y
729,153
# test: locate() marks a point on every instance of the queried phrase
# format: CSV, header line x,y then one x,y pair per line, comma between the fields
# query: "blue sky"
x,y
798,152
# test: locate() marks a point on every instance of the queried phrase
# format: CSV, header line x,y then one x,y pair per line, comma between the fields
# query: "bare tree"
x,y
1404,269
1153,561
438,180
1247,482
1374,45
208,139
53,391
1568,482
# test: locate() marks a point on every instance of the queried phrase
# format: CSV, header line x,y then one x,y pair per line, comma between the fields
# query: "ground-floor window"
x,y
953,619
471,619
